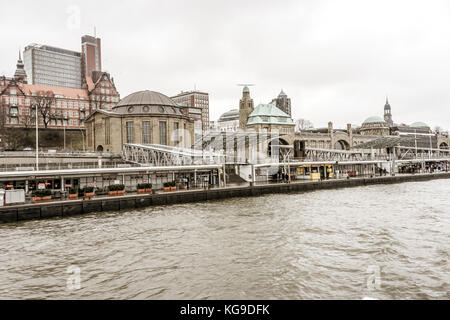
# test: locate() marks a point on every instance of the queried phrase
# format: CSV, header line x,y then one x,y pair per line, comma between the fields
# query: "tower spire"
x,y
387,112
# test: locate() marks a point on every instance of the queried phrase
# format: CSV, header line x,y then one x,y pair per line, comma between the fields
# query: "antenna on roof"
x,y
245,85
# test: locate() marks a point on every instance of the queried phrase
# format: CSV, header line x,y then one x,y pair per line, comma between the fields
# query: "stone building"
x,y
375,126
245,108
229,121
283,103
388,113
144,117
269,118
68,106
195,100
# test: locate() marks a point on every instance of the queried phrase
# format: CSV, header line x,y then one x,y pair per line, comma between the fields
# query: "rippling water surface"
x,y
385,242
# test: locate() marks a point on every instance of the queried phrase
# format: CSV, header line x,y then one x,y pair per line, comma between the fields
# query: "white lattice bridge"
x,y
161,155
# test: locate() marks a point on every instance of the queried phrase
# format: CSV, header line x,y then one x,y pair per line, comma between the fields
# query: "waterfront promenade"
x,y
62,208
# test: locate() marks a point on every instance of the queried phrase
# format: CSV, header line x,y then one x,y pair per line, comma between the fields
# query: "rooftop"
x,y
146,97
373,119
269,114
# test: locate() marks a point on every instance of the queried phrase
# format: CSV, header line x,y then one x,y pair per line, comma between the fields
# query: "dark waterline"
x,y
383,241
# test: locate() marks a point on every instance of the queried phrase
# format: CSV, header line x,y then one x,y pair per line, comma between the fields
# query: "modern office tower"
x,y
51,66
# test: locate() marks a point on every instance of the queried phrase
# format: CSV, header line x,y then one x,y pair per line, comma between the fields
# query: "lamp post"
x,y
64,134
37,139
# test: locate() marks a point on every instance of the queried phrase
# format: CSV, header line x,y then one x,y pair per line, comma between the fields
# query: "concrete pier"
x,y
77,207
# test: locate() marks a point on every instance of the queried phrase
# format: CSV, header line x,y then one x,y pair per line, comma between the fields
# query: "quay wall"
x,y
77,207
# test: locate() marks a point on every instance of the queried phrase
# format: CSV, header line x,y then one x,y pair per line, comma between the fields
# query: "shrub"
x,y
43,193
116,187
88,189
144,186
73,190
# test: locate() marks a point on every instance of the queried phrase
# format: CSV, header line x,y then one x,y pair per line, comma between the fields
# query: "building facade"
x,y
229,121
195,99
58,107
388,113
375,126
283,103
102,91
51,66
91,55
246,107
268,118
144,117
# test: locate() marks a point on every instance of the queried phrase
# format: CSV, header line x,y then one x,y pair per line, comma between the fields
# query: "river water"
x,y
382,242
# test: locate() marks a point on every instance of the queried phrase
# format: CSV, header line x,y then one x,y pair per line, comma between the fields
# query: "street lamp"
x,y
37,139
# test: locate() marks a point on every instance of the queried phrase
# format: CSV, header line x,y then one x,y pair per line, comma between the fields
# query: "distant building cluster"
x,y
275,115
65,86
68,86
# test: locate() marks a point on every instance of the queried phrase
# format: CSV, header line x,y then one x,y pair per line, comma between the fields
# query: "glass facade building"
x,y
51,66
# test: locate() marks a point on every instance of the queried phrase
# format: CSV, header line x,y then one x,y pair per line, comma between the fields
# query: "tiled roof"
x,y
90,83
69,93
269,114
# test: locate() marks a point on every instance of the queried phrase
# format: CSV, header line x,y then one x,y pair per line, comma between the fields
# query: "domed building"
x,y
269,118
143,117
229,121
420,125
375,126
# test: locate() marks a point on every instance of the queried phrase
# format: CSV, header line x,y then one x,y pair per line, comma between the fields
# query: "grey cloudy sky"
x,y
336,60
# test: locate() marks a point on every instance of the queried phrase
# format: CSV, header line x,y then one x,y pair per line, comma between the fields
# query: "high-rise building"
x,y
51,66
91,58
283,103
195,99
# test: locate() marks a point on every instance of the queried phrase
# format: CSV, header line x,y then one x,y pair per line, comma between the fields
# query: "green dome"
x,y
419,125
246,90
229,115
373,119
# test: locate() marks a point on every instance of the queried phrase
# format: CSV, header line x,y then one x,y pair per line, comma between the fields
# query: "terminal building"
x,y
144,117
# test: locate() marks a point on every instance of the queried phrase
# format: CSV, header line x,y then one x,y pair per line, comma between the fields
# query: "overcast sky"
x,y
336,60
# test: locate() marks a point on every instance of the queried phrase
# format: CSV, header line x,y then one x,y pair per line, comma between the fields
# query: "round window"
x,y
130,109
161,109
146,109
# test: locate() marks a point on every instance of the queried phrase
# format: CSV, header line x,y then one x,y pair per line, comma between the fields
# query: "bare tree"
x,y
11,138
3,122
28,118
303,124
44,101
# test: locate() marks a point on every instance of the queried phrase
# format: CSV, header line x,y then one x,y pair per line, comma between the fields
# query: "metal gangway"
x,y
319,154
162,155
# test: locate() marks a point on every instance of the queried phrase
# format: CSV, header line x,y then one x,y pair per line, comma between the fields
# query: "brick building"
x,y
58,107
195,99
